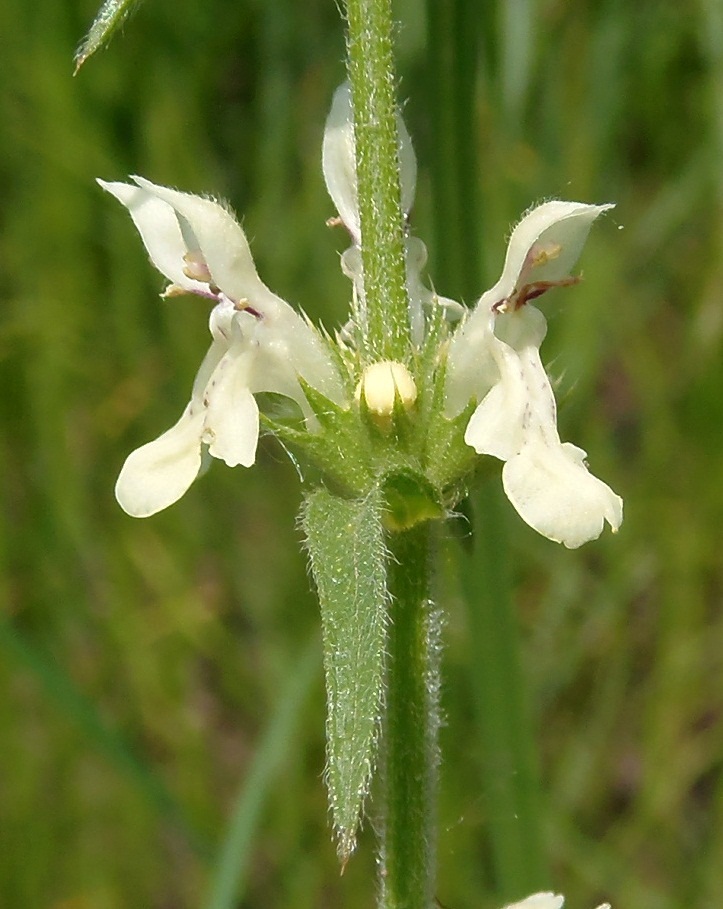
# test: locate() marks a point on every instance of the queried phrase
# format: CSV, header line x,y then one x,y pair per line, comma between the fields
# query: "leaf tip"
x,y
79,59
108,20
346,844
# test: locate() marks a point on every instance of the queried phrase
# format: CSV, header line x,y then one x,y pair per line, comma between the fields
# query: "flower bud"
x,y
386,385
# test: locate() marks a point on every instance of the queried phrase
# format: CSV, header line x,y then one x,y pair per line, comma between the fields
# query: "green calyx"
x,y
409,500
390,435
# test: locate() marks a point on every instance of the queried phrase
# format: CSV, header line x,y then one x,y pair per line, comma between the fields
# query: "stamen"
x,y
541,255
537,289
196,268
175,290
243,305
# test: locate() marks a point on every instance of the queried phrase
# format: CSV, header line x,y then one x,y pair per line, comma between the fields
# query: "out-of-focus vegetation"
x,y
142,663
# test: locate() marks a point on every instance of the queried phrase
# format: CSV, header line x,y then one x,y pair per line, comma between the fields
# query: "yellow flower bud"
x,y
384,383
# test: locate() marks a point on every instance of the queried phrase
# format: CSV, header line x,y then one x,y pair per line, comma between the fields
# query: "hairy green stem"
x,y
386,330
409,749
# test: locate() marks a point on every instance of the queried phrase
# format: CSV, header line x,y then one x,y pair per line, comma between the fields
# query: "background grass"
x,y
144,663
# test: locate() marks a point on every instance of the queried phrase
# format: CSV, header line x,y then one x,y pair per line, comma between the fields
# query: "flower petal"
x,y
544,901
157,474
546,481
495,427
521,395
232,418
544,246
539,901
213,357
210,229
543,249
552,490
339,162
421,298
471,368
159,229
216,234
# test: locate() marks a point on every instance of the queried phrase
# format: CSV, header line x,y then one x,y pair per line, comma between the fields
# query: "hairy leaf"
x,y
348,559
111,16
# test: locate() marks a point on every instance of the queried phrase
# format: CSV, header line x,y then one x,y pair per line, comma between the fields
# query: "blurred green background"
x,y
150,669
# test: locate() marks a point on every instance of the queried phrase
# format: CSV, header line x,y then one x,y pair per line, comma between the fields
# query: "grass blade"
x,y
61,689
229,875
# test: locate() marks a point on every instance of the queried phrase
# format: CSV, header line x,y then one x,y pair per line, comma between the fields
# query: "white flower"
x,y
494,357
338,158
544,901
259,344
339,165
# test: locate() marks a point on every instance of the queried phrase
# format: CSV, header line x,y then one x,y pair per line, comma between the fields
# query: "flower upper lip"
x,y
556,227
338,162
338,159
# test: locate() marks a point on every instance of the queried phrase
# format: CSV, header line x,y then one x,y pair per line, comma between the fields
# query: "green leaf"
x,y
111,16
346,548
